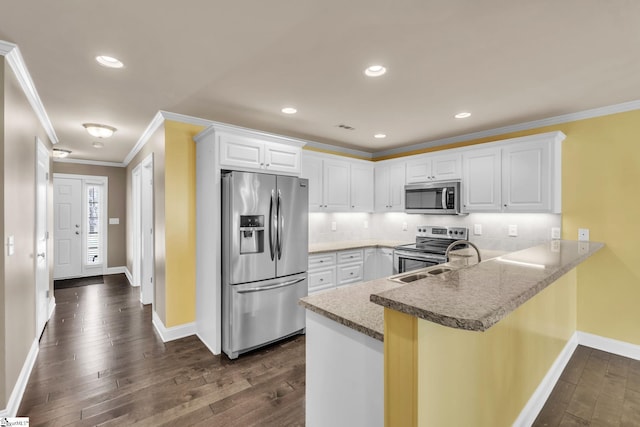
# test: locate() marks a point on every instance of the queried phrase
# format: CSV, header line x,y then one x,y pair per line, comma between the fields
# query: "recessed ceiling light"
x,y
109,61
462,115
98,130
97,144
380,135
375,70
60,153
289,110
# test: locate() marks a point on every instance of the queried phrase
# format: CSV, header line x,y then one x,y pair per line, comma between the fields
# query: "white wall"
x,y
532,228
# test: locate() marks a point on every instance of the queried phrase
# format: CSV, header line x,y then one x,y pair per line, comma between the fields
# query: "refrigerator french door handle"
x,y
271,224
268,288
280,225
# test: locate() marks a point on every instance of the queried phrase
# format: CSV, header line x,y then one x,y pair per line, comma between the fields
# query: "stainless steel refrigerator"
x,y
264,259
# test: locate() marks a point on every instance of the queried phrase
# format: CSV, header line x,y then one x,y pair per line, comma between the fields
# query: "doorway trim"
x,y
147,235
43,308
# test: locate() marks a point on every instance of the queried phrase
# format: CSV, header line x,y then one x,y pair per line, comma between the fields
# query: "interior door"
x,y
67,227
42,261
147,241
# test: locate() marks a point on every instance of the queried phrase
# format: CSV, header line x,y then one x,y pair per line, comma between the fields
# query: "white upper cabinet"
x,y
427,168
481,181
525,181
362,187
242,152
338,184
516,175
389,186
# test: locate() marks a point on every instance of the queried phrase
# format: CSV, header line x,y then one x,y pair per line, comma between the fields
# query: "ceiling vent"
x,y
345,127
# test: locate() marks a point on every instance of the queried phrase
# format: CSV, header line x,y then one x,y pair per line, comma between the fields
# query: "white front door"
x,y
67,227
42,260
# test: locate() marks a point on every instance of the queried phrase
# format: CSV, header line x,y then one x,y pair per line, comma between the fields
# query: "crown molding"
x,y
91,162
550,121
14,58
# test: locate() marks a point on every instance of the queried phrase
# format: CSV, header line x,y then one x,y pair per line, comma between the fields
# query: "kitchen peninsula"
x,y
480,338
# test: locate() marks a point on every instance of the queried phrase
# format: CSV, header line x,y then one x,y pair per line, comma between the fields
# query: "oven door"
x,y
409,261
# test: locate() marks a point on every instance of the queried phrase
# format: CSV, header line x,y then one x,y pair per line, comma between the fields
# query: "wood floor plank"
x,y
102,363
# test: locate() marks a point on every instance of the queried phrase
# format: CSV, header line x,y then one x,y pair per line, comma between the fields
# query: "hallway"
x,y
101,363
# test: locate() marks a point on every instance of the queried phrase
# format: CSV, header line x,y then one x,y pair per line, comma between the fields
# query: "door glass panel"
x,y
94,218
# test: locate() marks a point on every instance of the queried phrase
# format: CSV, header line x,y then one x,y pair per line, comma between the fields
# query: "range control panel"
x,y
458,233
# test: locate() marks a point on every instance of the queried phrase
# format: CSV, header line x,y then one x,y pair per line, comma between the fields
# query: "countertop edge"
x,y
343,321
494,317
346,245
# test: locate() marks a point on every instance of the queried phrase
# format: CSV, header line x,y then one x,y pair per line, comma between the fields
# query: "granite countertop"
x,y
353,244
471,298
477,297
351,306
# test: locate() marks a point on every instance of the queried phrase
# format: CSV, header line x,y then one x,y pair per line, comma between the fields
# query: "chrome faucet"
x,y
461,242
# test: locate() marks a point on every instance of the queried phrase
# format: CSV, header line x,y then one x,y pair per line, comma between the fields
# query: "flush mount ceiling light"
x,y
375,70
59,153
97,144
109,61
462,115
289,110
99,131
380,135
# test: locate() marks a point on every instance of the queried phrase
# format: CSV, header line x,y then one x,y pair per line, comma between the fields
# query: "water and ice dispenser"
x,y
251,234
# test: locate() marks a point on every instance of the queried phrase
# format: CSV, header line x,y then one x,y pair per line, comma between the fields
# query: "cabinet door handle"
x,y
505,205
322,280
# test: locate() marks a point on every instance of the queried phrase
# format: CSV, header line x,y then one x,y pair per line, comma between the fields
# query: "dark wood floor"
x,y
595,389
101,363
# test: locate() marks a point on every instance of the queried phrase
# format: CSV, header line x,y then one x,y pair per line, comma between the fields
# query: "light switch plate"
x,y
404,226
11,246
334,226
583,234
555,232
513,230
366,224
113,221
477,229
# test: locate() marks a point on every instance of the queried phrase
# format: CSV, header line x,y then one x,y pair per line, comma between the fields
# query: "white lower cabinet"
x,y
322,271
329,270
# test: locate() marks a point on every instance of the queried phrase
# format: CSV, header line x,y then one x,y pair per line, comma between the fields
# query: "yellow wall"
x,y
600,175
468,378
180,217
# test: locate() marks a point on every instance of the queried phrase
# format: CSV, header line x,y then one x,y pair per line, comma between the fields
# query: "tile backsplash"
x,y
532,228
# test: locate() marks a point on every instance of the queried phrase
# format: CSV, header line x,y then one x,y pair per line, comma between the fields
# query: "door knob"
x,y
78,233
40,255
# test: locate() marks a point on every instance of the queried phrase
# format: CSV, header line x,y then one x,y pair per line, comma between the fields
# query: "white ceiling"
x,y
240,62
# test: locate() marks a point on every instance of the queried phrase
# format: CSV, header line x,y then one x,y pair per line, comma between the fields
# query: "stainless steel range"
x,y
429,249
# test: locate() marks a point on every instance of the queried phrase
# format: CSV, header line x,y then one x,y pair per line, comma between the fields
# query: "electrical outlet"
x,y
583,234
513,230
366,224
334,226
555,233
477,229
404,226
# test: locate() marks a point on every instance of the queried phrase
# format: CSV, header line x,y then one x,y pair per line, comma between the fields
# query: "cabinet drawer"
x,y
349,274
322,279
350,256
322,260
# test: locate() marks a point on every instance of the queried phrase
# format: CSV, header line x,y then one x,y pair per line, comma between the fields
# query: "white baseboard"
x,y
116,270
174,332
52,306
539,397
21,384
609,345
129,276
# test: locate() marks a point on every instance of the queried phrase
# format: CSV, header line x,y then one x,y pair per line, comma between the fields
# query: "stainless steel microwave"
x,y
440,198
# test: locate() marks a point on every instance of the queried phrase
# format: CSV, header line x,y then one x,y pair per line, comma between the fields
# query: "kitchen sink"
x,y
412,276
